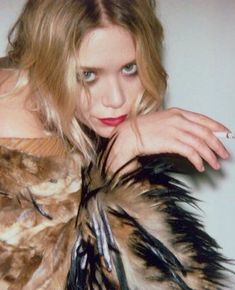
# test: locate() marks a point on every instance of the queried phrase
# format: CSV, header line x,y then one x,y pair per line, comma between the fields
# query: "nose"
x,y
114,96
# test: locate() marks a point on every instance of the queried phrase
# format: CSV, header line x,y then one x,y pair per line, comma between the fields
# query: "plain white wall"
x,y
9,9
199,58
199,55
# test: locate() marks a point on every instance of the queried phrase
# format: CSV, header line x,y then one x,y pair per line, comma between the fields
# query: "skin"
x,y
113,93
107,60
113,82
16,119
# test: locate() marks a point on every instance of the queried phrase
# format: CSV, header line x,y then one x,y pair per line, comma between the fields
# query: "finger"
x,y
202,132
189,153
201,148
203,120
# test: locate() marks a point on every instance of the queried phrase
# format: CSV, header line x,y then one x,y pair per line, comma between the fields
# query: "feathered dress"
x,y
121,231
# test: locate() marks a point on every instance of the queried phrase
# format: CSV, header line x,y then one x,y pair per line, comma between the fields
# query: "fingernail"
x,y
225,155
202,168
217,166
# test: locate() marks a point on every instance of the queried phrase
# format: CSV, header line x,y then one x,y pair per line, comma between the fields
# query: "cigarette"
x,y
225,135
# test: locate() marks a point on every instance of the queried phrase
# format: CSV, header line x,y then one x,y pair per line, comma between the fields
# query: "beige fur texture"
x,y
38,201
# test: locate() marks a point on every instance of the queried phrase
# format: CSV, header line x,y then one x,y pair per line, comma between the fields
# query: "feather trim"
x,y
134,233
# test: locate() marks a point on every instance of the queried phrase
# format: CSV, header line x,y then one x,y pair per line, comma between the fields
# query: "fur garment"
x,y
38,205
131,231
134,233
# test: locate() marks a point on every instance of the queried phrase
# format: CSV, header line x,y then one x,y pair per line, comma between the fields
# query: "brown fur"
x,y
39,199
35,246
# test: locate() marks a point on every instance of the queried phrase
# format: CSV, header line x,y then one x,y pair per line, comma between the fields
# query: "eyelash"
x,y
132,67
87,79
131,71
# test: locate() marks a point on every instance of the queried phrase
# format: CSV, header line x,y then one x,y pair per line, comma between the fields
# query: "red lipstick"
x,y
113,121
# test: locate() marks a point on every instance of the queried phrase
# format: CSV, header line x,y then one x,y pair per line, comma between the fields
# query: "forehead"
x,y
109,45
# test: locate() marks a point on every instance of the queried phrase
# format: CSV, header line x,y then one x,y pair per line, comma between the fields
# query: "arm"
x,y
173,130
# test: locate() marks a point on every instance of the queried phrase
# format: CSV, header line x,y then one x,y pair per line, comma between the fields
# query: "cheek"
x,y
135,89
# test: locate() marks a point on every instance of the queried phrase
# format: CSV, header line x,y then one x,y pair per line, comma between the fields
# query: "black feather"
x,y
99,259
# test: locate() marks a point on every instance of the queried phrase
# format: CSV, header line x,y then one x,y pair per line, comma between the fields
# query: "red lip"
x,y
113,121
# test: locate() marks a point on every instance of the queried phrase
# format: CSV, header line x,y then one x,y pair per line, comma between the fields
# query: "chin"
x,y
105,133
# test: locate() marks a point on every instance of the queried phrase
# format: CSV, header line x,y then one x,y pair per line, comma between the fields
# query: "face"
x,y
107,59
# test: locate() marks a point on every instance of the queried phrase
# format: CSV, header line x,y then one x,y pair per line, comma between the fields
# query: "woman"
x,y
79,64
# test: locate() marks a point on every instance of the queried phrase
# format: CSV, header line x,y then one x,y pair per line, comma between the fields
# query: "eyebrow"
x,y
90,68
98,69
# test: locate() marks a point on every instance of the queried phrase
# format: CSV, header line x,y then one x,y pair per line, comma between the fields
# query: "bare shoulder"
x,y
15,119
6,115
19,123
9,122
7,80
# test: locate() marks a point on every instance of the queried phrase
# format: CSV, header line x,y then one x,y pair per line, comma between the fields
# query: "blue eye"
x,y
89,76
130,69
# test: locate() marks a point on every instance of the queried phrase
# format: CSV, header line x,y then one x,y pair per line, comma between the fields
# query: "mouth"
x,y
113,122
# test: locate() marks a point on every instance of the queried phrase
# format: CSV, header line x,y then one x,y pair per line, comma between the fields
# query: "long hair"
x,y
43,45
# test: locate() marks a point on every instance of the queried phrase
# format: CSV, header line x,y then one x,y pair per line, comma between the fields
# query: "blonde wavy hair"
x,y
43,45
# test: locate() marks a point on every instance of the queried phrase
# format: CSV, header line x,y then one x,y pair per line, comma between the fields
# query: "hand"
x,y
170,131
